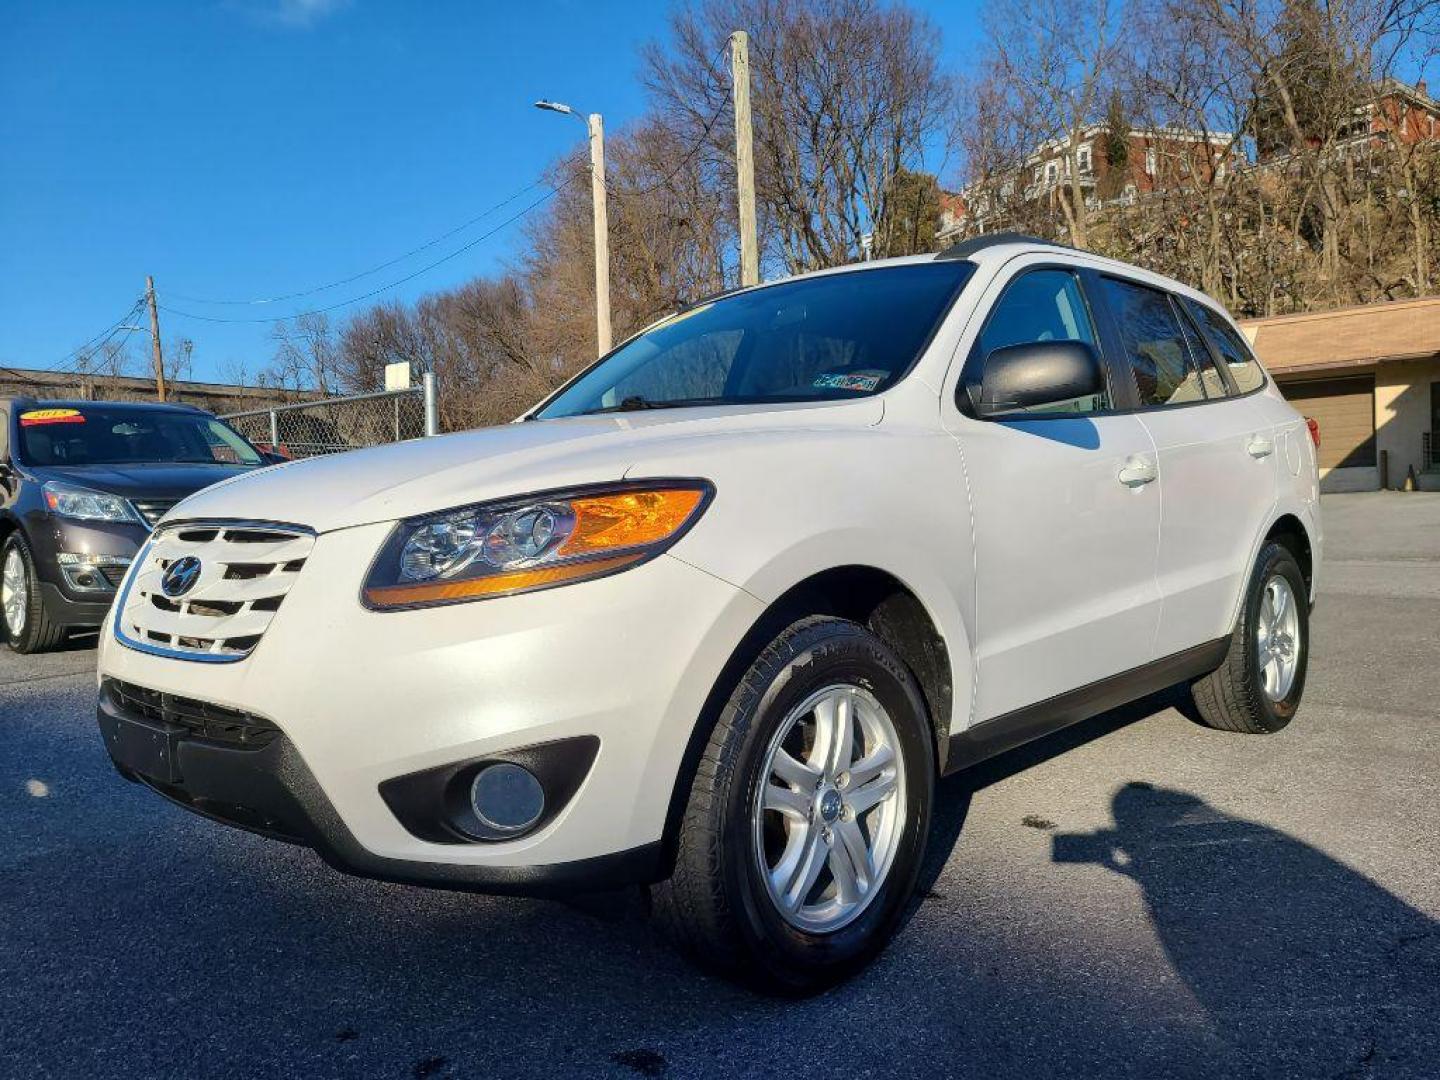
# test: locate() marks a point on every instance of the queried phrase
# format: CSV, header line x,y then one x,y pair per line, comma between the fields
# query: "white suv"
x,y
715,616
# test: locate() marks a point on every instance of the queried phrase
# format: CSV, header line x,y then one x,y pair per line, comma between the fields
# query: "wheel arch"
x,y
866,594
1288,529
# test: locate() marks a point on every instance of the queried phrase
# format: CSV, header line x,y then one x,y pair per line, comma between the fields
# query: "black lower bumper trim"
x,y
269,790
79,614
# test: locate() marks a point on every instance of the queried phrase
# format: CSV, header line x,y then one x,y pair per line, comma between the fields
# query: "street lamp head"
x,y
555,106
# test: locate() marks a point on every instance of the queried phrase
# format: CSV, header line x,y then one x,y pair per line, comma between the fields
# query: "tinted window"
x,y
1231,347
1200,355
97,435
835,336
1042,305
1154,344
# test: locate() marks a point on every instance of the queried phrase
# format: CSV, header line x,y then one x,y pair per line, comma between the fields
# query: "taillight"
x,y
1314,426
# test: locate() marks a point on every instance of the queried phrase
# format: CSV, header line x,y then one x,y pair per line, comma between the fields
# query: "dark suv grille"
x,y
152,510
204,720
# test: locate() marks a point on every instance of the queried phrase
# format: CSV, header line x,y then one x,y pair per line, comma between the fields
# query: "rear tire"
x,y
793,870
1257,689
28,626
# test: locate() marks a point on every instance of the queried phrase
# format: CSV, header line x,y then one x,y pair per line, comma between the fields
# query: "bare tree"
x,y
1051,66
846,94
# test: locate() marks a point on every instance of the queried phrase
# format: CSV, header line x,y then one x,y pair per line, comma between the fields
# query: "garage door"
x,y
1345,409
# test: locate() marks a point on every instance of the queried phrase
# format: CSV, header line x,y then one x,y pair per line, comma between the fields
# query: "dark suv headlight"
x,y
82,504
534,542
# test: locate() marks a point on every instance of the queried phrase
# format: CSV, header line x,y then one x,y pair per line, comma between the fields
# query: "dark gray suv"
x,y
81,485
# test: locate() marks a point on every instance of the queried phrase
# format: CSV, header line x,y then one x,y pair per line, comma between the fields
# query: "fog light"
x,y
507,797
88,573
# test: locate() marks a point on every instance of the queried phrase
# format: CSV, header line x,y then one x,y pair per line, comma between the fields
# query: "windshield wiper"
x,y
636,402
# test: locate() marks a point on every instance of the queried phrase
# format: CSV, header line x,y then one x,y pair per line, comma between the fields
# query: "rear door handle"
x,y
1260,447
1136,472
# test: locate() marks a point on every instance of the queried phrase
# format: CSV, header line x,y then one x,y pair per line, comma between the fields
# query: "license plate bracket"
x,y
145,747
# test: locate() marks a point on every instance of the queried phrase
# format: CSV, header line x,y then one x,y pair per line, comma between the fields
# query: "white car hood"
x,y
423,476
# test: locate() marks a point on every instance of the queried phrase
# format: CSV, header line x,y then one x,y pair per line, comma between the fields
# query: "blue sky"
x,y
242,148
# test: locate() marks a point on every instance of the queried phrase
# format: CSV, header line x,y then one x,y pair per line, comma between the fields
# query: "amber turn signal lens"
x,y
628,519
439,592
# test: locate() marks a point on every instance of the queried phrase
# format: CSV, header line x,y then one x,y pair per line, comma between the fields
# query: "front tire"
x,y
1257,689
28,626
806,823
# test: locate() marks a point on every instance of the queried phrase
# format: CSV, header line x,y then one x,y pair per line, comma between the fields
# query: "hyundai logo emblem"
x,y
180,576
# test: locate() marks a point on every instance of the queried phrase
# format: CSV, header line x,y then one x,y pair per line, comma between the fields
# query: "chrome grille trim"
x,y
151,510
222,617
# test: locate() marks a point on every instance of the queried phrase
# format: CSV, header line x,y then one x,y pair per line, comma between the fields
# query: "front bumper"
x,y
363,697
269,790
51,536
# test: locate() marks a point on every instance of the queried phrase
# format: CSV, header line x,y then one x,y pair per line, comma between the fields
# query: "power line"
x,y
70,362
383,288
374,269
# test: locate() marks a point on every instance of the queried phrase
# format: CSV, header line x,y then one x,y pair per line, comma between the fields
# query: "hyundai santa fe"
x,y
715,616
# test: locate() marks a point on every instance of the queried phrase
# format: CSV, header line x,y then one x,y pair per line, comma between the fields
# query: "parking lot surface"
x,y
1136,897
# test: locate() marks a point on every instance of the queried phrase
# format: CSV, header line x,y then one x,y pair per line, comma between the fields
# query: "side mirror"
x,y
270,457
1021,377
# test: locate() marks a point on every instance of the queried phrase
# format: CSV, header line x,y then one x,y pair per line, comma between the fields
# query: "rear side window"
x,y
1042,305
1210,377
1232,348
1155,346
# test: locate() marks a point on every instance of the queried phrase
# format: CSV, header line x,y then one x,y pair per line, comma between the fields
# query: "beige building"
x,y
1371,377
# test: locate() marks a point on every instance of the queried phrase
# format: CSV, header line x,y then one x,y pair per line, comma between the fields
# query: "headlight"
x,y
83,504
498,549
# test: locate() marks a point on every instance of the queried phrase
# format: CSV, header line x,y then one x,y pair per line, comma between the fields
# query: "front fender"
x,y
787,511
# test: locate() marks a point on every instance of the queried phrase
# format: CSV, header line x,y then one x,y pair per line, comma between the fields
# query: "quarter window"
x,y
1154,345
1042,305
1232,348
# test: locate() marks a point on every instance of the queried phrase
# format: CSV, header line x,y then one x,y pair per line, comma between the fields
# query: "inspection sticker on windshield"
x,y
860,381
51,416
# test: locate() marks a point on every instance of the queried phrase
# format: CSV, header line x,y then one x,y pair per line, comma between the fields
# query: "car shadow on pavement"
x,y
1264,929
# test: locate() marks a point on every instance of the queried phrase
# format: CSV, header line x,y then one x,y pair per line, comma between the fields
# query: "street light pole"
x,y
595,127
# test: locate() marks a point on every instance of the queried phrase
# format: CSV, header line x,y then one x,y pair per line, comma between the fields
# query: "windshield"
x,y
97,435
834,336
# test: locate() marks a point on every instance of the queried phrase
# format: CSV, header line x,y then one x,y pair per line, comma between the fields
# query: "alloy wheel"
x,y
1277,638
830,809
14,592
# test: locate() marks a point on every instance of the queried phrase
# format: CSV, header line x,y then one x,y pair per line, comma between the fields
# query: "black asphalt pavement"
x,y
1136,897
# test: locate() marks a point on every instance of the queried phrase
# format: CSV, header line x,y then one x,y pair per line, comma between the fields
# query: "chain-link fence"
x,y
311,428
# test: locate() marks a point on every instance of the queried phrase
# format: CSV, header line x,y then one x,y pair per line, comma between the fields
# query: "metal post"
x,y
432,403
274,432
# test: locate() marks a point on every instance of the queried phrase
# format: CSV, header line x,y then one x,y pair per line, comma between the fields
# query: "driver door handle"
x,y
1260,447
1136,472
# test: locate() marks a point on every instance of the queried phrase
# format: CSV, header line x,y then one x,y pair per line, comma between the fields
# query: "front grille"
x,y
201,719
152,510
246,571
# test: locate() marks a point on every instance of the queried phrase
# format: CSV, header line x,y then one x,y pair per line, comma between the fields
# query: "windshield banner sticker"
x,y
51,416
863,381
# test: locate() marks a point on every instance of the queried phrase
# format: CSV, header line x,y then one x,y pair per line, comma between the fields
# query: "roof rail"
x,y
977,244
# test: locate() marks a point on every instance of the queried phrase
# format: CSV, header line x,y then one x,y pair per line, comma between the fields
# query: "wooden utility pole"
x,y
596,127
744,157
155,339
